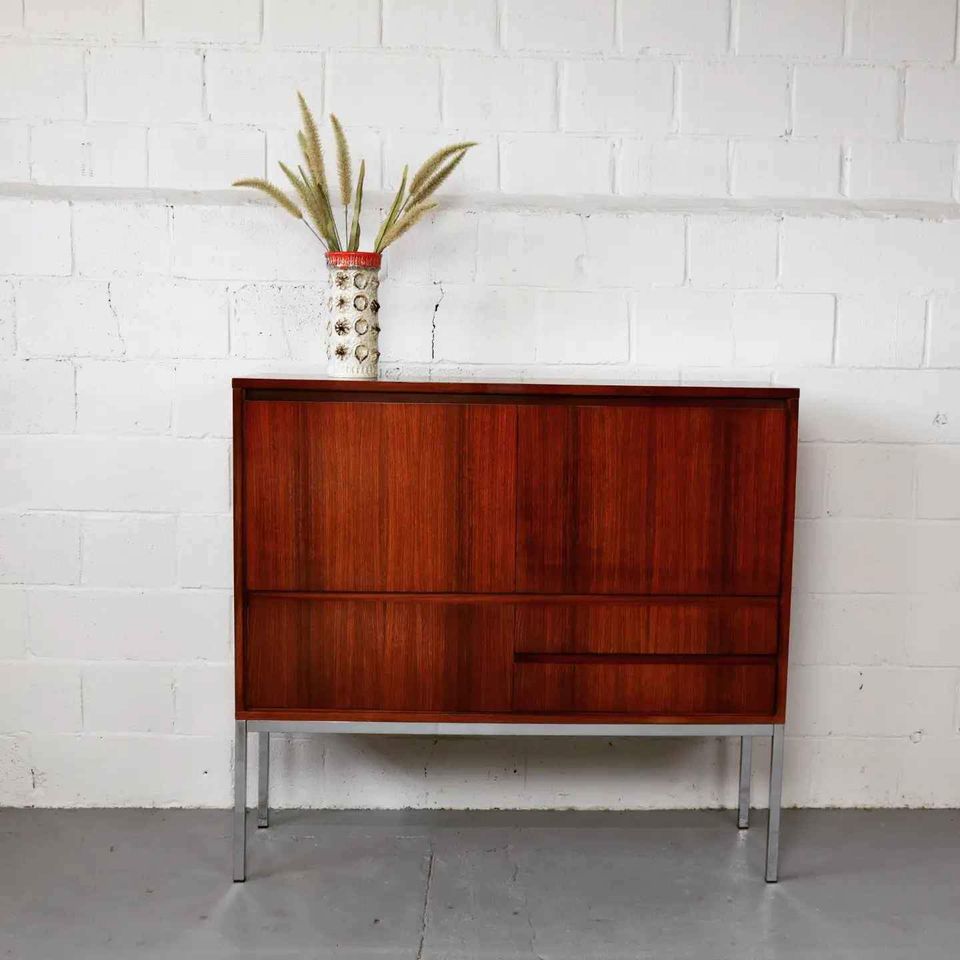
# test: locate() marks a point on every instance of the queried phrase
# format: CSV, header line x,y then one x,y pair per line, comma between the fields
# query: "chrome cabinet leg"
x,y
746,766
773,821
263,780
240,803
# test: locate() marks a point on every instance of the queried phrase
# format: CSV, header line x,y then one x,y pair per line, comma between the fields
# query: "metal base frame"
x,y
746,732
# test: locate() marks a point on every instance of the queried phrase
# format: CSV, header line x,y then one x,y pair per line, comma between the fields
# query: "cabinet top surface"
x,y
515,388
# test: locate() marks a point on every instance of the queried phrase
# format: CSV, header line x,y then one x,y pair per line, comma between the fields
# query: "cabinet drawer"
x,y
648,688
389,655
722,626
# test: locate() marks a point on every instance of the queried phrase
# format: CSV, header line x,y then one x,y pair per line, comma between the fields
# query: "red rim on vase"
x,y
353,260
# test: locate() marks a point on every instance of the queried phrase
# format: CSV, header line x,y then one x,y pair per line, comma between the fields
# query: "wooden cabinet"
x,y
512,552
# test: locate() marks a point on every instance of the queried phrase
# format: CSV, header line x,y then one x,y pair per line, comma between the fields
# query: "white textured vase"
x,y
353,326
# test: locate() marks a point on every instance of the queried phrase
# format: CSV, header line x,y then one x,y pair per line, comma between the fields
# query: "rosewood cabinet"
x,y
512,558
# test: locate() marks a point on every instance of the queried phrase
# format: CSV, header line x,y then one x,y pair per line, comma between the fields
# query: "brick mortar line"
x,y
499,52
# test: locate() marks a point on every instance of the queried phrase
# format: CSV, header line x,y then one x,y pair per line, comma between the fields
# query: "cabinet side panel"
x,y
786,560
239,578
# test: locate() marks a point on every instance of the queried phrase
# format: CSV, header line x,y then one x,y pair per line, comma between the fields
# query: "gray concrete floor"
x,y
671,885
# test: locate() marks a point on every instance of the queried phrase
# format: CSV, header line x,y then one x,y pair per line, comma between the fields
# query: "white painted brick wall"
x,y
615,95
65,317
115,240
13,610
774,328
37,396
890,490
740,98
809,28
101,19
678,167
382,88
205,157
880,331
127,698
471,26
677,327
174,319
556,163
938,482
493,93
39,548
35,240
751,190
11,16
134,396
14,152
944,339
40,698
259,86
238,20
932,95
583,25
125,550
777,168
332,24
41,81
144,84
846,101
84,154
921,170
880,31
8,338
738,252
696,27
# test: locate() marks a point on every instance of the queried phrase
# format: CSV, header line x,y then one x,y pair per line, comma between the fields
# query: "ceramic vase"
x,y
353,326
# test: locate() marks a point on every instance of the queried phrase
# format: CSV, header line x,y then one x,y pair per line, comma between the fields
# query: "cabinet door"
x,y
376,655
664,498
373,496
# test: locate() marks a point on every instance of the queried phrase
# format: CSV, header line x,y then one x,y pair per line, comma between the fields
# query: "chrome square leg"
x,y
240,802
773,821
263,780
746,766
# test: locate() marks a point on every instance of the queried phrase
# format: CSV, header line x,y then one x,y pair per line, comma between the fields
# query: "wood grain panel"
x,y
754,454
488,551
632,688
379,496
270,481
664,627
378,655
650,498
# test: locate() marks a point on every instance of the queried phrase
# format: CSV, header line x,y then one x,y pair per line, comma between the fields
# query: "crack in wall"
x,y
116,318
433,322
